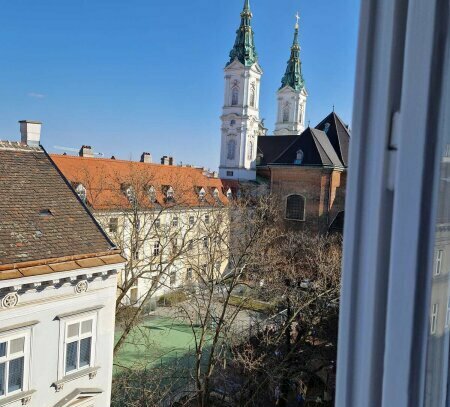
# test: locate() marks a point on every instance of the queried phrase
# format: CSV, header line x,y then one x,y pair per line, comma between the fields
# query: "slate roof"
x,y
338,134
317,150
42,220
104,180
270,147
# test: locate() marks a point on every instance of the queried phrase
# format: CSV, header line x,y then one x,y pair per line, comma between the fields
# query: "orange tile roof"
x,y
105,181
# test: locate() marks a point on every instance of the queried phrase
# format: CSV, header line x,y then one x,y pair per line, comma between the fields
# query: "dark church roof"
x,y
282,150
338,134
319,148
42,218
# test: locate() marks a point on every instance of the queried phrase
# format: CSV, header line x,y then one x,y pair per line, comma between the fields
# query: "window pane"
x,y
86,327
15,378
2,379
73,330
2,349
85,352
17,345
71,356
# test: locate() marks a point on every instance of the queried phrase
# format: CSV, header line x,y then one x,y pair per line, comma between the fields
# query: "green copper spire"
x,y
244,47
293,76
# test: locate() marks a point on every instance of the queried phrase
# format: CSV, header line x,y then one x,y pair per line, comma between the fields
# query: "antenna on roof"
x,y
309,123
73,150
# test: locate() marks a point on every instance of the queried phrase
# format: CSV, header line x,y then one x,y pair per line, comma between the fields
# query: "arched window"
x,y
295,207
235,96
250,150
231,149
286,113
252,95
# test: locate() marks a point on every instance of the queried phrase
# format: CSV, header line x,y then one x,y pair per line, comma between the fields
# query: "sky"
x,y
147,75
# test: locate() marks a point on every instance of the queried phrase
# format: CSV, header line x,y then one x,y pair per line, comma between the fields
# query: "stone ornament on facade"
x,y
26,400
81,287
10,300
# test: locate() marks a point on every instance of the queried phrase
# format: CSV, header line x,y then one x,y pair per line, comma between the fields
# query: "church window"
x,y
299,157
286,113
250,150
326,127
235,96
295,207
252,95
232,123
231,149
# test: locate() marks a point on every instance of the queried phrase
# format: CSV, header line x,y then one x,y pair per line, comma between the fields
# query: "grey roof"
x,y
41,216
338,134
317,150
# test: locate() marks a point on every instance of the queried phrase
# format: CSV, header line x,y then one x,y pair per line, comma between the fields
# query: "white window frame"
x,y
6,337
438,263
434,318
390,221
156,249
63,327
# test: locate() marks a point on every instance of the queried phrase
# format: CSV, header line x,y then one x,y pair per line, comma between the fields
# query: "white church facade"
x,y
241,123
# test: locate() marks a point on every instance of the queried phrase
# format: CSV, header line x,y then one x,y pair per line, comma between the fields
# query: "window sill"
x,y
91,372
24,396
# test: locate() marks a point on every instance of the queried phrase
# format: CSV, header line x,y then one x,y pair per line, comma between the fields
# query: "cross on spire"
x,y
297,16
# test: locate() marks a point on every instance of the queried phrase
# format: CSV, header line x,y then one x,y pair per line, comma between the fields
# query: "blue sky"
x,y
146,75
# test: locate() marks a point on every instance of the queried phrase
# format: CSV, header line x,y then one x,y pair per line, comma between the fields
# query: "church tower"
x,y
292,94
240,116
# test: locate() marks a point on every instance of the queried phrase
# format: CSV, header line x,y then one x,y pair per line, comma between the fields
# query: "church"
x,y
305,167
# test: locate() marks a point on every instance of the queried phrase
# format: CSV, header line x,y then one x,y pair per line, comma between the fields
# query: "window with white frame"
x,y
438,263
207,219
175,221
434,318
205,242
79,344
81,192
113,225
14,359
156,248
191,220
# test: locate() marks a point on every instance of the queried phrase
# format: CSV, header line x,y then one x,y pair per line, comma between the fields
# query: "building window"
x,y
250,151
157,223
252,95
286,113
191,220
202,194
295,207
216,193
299,157
78,345
156,249
438,264
235,96
190,244
230,173
169,194
205,242
13,362
207,219
81,192
175,221
434,318
231,149
173,278
113,224
232,123
189,274
229,192
152,194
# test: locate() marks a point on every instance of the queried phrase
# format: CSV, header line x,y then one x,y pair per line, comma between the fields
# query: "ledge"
x,y
91,372
79,312
18,326
24,396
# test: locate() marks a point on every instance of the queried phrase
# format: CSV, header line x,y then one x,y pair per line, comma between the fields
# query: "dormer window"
x,y
152,194
216,193
299,157
229,194
201,194
129,193
81,192
168,193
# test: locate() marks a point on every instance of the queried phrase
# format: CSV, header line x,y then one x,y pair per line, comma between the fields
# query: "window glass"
x,y
86,327
17,345
2,378
71,356
15,376
72,330
295,207
2,349
85,351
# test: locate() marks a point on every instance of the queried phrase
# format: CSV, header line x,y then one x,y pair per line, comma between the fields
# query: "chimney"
x,y
165,160
86,151
215,174
146,158
30,132
171,160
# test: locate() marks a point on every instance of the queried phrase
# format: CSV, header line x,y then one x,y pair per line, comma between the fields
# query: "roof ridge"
x,y
316,140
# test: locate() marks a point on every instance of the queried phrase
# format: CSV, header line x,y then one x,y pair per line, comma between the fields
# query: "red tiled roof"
x,y
106,180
